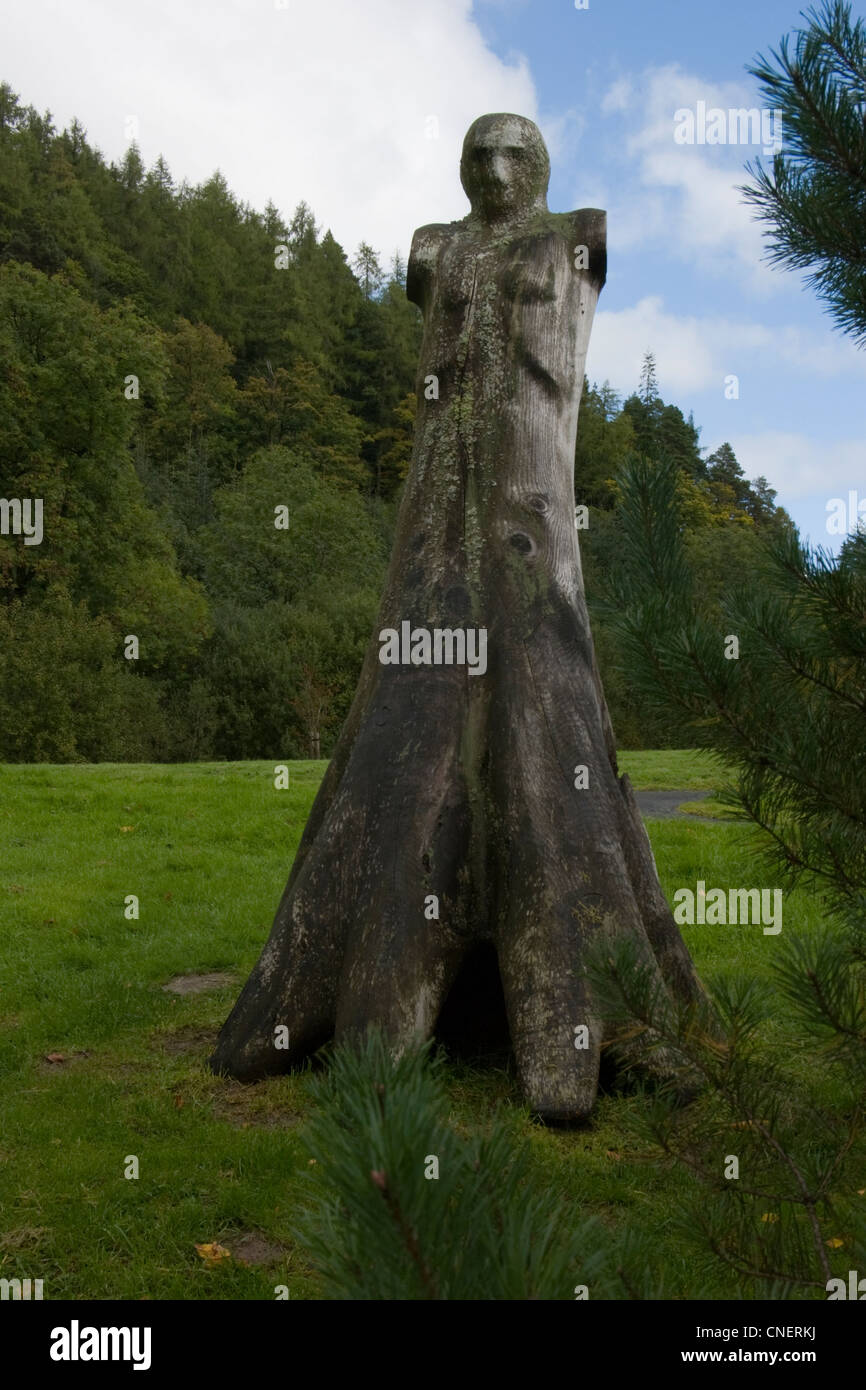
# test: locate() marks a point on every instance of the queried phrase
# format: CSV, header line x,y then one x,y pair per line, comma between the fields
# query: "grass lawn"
x,y
206,849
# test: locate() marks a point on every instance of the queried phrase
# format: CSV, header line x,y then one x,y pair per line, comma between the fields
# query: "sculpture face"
x,y
504,167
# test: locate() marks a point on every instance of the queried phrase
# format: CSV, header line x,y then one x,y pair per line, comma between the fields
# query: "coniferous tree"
x,y
368,270
400,1206
648,391
761,504
813,197
786,717
727,480
788,711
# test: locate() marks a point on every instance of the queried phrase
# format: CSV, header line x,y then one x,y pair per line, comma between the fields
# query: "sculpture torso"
x,y
506,325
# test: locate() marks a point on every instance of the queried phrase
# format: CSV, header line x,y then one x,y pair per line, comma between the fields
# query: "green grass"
x,y
671,769
206,849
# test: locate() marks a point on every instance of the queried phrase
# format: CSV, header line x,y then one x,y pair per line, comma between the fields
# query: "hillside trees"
x,y
66,421
293,603
247,331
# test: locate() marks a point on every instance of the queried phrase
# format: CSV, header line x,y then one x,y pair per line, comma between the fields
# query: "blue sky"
x,y
361,111
610,79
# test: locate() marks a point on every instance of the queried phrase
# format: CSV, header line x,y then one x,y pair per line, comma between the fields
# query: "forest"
x,y
215,407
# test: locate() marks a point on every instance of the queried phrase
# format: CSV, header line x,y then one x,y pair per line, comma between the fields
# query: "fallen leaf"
x,y
379,1178
178,1101
125,828
612,1153
834,1242
770,1216
55,1057
213,1253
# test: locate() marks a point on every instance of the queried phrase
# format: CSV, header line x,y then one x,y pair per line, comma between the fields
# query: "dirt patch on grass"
x,y
187,1041
23,1238
198,984
252,1107
250,1248
57,1061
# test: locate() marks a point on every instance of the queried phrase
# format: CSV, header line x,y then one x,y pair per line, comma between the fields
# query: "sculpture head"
x,y
504,167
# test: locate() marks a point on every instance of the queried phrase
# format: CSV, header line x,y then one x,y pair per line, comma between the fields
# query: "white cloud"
x,y
685,197
697,353
325,102
563,134
618,96
800,466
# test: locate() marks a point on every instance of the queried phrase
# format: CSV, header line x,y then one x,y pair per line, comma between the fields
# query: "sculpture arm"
x,y
420,272
589,226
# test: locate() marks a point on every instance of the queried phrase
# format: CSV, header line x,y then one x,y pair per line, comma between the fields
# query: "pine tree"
x,y
726,478
777,1151
787,714
397,270
761,504
398,1205
786,720
813,198
648,391
368,270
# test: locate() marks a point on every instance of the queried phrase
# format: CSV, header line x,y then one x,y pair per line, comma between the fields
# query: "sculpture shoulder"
x,y
581,238
589,228
426,246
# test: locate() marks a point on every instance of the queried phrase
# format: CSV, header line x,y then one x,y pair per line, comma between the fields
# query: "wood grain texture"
x,y
463,786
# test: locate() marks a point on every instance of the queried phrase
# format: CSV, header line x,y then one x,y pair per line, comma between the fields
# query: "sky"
x,y
360,110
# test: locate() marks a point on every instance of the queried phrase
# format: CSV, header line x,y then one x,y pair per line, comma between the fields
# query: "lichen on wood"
x,y
462,786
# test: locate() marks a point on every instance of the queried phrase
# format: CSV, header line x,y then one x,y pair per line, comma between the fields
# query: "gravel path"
x,y
663,805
